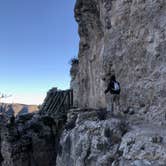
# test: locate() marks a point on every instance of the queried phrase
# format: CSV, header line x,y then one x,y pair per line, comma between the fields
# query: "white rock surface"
x,y
92,142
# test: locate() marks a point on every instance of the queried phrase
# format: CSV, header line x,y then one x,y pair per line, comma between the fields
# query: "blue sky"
x,y
37,40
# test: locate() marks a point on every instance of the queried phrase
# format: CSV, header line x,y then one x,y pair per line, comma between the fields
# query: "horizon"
x,y
38,39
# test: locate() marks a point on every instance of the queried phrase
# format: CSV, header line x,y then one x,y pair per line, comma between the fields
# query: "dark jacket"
x,y
111,89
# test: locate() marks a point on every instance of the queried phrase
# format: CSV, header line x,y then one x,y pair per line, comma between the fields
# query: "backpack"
x,y
116,89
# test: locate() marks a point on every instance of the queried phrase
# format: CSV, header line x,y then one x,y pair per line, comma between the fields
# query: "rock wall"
x,y
128,38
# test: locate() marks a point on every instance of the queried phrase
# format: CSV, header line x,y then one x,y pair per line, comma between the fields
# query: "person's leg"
x,y
113,103
119,103
109,102
116,103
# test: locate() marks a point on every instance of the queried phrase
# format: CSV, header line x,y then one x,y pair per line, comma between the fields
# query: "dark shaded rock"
x,y
72,123
102,114
31,140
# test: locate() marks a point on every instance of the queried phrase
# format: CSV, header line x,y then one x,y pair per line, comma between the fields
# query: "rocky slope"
x,y
96,138
128,38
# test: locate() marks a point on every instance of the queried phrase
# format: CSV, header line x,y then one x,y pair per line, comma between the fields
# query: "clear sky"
x,y
37,40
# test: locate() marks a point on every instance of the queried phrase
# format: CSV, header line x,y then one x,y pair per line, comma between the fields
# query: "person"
x,y
114,88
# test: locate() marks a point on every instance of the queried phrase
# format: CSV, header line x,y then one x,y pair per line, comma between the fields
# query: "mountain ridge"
x,y
18,108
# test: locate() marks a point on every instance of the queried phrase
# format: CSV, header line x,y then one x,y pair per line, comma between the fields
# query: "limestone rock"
x,y
74,81
145,145
128,38
92,141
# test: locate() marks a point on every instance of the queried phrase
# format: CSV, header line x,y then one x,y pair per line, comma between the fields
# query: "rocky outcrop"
x,y
144,145
128,38
91,138
30,140
90,86
74,81
96,138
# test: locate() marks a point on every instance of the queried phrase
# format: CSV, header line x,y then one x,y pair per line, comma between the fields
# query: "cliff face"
x,y
29,140
128,38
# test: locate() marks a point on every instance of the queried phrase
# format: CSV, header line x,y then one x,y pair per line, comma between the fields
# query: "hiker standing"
x,y
114,96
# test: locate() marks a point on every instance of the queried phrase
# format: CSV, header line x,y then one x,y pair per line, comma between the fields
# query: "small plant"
x,y
74,61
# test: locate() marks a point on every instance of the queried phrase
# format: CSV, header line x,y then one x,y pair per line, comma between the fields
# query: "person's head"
x,y
113,78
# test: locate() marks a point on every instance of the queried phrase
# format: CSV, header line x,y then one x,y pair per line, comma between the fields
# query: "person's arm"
x,y
106,91
108,88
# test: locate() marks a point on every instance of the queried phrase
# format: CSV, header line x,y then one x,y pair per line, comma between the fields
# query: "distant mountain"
x,y
16,108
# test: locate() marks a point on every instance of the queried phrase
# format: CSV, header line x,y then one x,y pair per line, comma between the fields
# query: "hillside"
x,y
17,108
